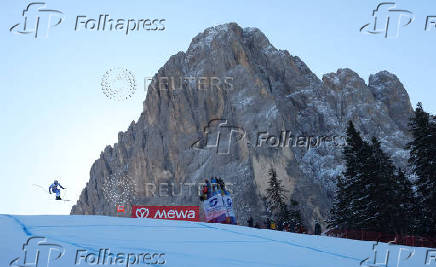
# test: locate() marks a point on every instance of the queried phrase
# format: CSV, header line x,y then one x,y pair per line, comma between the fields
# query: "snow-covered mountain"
x,y
88,241
265,95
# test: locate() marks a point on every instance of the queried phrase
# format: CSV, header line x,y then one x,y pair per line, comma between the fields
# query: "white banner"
x,y
228,203
214,208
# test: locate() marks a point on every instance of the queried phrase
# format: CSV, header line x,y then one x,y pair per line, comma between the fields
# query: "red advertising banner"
x,y
181,213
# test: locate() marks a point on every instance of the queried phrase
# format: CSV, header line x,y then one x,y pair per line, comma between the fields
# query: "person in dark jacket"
x,y
209,189
250,222
317,228
204,191
268,223
214,185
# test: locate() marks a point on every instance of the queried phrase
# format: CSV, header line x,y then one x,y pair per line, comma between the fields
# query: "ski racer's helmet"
x,y
55,182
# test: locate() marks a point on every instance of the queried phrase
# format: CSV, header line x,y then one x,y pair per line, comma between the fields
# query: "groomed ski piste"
x,y
87,241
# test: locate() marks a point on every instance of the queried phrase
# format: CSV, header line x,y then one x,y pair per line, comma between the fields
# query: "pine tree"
x,y
276,196
368,196
364,206
383,192
275,193
282,217
340,213
349,207
276,203
406,211
296,220
268,211
423,162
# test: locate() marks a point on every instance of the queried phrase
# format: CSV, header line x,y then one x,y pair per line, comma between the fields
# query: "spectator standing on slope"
x,y
250,222
317,228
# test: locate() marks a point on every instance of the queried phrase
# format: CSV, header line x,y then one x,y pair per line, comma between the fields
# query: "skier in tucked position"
x,y
54,189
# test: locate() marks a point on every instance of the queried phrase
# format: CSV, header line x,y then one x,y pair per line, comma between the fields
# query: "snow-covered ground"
x,y
176,243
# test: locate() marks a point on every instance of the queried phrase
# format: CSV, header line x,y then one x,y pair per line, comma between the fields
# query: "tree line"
x,y
373,195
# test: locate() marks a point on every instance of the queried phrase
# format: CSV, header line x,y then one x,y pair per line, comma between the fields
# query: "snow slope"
x,y
188,243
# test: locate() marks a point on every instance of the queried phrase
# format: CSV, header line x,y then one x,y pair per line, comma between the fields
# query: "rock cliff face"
x,y
234,106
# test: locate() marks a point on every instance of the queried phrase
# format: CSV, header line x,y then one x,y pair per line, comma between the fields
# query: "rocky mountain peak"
x,y
272,92
230,32
387,88
343,78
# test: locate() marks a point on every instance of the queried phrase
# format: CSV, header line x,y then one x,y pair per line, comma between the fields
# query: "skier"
x,y
54,189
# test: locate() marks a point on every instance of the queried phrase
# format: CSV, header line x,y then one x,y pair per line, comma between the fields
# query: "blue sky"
x,y
55,119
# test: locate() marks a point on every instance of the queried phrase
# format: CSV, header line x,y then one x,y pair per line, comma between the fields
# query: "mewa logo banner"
x,y
181,213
